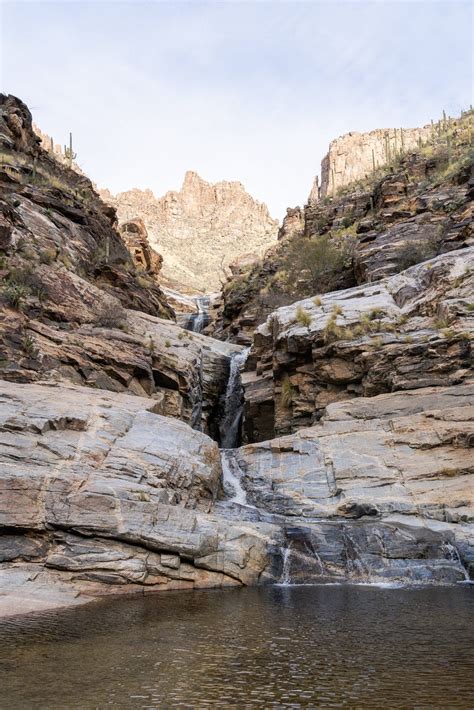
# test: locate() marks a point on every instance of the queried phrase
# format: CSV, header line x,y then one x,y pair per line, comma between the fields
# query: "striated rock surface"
x,y
114,496
411,330
380,489
111,497
200,229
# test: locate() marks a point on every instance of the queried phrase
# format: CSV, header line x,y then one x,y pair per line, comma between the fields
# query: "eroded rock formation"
x,y
135,237
380,489
113,497
200,229
358,401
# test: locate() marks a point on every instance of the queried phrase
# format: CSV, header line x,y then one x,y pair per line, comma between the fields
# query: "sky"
x,y
251,91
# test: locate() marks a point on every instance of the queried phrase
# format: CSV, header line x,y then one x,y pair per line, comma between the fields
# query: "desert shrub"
x,y
287,392
111,314
167,344
28,345
320,260
317,300
332,331
15,294
415,252
302,316
47,256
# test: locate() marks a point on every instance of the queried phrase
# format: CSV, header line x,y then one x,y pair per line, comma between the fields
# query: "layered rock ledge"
x,y
410,330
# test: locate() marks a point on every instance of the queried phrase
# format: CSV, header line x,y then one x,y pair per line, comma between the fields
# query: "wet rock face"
x,y
381,488
100,499
408,331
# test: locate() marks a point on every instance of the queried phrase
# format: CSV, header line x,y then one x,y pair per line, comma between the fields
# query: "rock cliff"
x,y
200,229
100,500
355,156
74,307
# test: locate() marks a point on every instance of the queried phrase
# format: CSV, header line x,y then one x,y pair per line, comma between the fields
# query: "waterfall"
x,y
229,423
231,480
452,553
198,321
285,578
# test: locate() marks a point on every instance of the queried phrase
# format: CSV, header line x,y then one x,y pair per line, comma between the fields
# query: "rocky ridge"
x,y
200,229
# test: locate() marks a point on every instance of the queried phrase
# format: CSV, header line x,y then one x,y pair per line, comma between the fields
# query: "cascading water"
x,y
198,321
452,554
229,424
231,480
285,578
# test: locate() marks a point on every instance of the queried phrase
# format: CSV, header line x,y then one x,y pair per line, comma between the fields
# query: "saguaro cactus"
x,y
69,153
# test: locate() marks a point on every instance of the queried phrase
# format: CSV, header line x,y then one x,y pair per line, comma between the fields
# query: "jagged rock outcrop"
x,y
407,331
200,229
135,236
355,156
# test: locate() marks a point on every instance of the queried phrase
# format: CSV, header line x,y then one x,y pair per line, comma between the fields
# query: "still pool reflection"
x,y
326,646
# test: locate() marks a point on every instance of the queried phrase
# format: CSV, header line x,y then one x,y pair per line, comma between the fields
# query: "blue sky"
x,y
249,91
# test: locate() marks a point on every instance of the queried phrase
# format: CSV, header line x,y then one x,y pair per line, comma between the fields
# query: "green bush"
x,y
321,261
15,294
415,252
